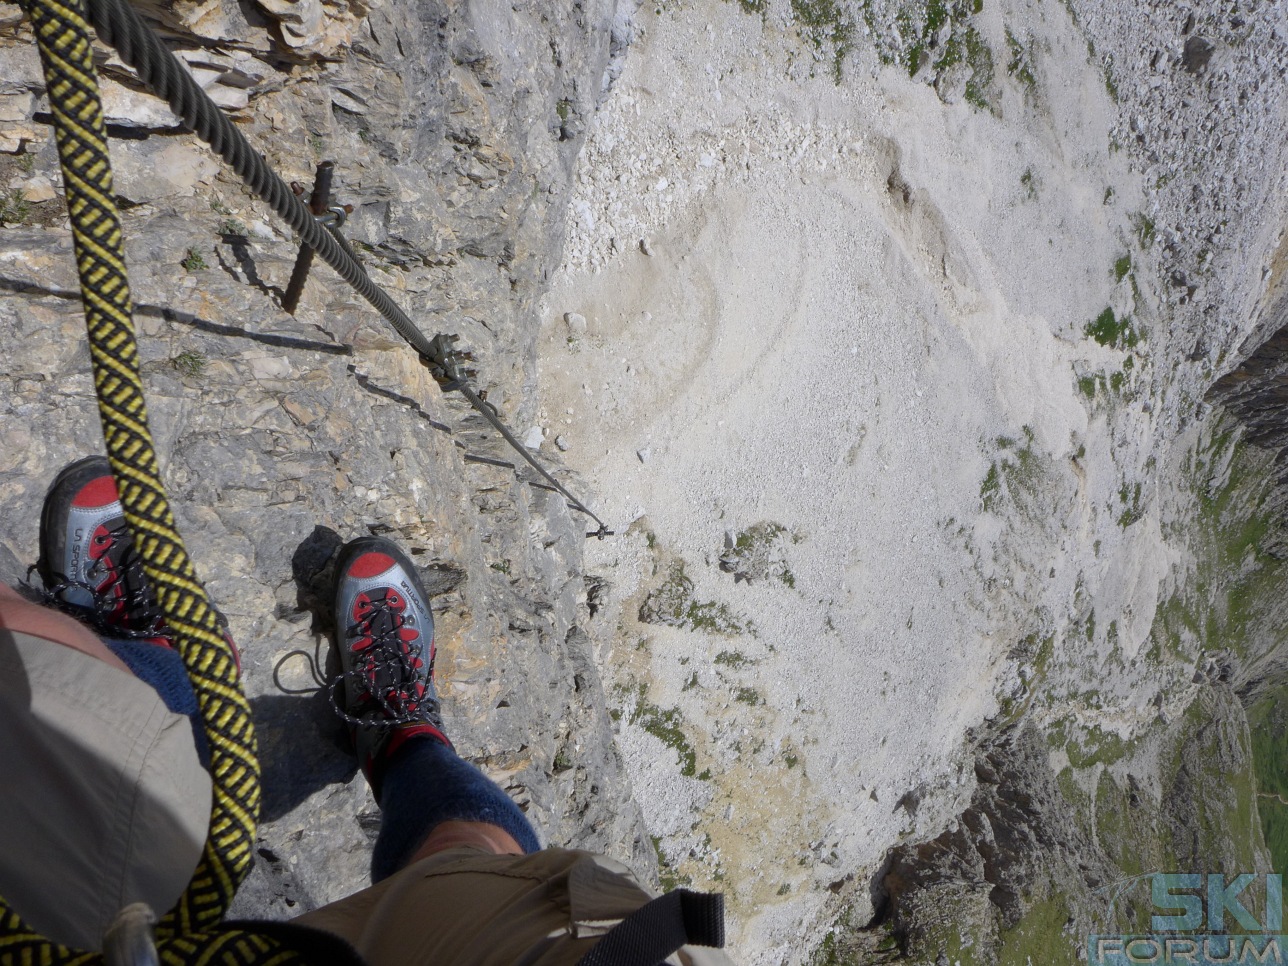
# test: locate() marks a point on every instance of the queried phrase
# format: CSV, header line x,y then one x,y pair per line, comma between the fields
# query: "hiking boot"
x,y
87,560
385,636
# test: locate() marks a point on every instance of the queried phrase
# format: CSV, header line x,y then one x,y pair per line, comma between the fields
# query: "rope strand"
x,y
62,34
190,933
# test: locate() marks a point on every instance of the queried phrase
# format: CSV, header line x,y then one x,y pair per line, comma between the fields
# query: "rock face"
x,y
454,127
1018,841
1257,390
1053,865
1028,866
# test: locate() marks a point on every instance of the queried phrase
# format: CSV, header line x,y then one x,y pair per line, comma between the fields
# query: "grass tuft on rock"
x,y
673,604
14,207
826,26
1113,332
189,363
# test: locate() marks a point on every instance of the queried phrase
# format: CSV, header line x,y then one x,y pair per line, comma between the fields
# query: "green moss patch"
x,y
1040,936
1015,475
668,726
1268,726
964,44
826,25
673,604
759,553
1020,65
1236,578
1111,331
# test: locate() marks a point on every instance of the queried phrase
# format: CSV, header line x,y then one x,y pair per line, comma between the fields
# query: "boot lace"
x,y
387,672
123,604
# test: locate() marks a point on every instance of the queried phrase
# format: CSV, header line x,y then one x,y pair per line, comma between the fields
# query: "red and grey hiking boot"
x,y
87,559
88,563
385,636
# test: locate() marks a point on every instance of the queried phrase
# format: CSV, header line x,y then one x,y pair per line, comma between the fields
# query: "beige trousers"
x,y
465,907
104,803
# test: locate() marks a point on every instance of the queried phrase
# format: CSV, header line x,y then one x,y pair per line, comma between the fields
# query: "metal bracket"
x,y
331,216
128,940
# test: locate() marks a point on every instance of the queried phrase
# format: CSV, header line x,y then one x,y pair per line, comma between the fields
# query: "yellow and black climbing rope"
x,y
191,933
62,35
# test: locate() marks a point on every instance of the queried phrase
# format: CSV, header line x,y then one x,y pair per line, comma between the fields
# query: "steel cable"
x,y
190,933
119,25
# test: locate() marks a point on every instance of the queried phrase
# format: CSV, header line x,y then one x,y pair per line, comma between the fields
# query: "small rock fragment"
x,y
349,101
644,454
37,189
646,247
302,21
950,85
562,443
229,98
535,436
270,367
16,106
576,323
1198,51
298,413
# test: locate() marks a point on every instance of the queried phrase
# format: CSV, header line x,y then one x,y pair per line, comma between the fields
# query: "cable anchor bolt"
x,y
446,363
332,216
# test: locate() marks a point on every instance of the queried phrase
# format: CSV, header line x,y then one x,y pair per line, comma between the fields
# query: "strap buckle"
x,y
128,940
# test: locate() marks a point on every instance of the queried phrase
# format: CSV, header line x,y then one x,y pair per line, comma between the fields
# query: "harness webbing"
x,y
62,35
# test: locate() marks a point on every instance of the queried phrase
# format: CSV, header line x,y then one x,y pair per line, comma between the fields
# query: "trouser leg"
x,y
425,783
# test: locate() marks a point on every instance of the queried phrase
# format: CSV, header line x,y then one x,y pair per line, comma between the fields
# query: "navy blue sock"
x,y
426,783
162,667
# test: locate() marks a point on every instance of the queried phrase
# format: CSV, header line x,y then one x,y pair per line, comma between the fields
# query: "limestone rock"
x,y
156,168
125,107
1198,51
950,85
37,189
302,21
283,436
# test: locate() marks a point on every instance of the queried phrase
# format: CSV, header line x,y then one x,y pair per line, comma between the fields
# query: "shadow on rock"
x,y
313,567
302,749
303,745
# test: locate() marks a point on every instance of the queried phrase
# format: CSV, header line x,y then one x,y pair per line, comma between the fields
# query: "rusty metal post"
x,y
319,201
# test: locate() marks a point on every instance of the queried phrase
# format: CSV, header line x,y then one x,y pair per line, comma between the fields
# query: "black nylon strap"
x,y
315,946
656,930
